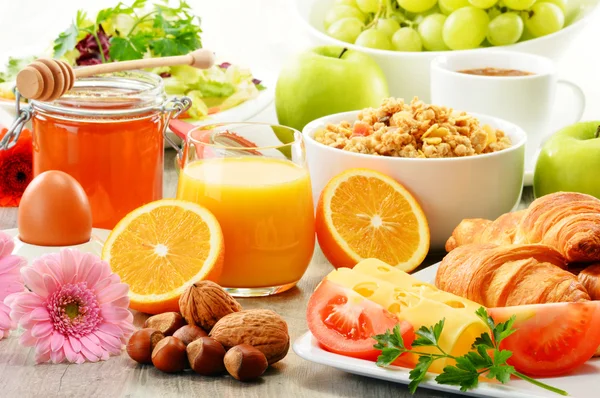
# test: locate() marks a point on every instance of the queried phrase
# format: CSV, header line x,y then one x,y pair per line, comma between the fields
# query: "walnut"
x,y
205,303
262,329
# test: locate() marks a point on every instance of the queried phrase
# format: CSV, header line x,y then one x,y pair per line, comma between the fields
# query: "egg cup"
x,y
30,252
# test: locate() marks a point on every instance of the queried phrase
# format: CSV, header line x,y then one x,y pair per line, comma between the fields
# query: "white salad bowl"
x,y
407,73
449,189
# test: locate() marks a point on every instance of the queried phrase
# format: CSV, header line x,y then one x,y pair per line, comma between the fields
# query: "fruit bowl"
x,y
448,189
408,72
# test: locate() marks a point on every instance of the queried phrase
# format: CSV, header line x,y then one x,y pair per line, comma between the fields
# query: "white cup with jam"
x,y
514,86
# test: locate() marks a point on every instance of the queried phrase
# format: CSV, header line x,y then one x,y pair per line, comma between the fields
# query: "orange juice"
x,y
265,209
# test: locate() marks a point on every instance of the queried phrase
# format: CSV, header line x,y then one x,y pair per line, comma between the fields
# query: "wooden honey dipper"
x,y
47,79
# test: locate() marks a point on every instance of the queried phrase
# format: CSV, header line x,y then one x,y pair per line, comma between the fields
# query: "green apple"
x,y
570,161
327,80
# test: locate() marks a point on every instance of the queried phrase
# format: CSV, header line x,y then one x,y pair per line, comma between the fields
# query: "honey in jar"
x,y
107,132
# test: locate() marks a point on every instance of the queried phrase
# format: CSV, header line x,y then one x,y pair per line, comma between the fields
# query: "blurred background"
x,y
259,34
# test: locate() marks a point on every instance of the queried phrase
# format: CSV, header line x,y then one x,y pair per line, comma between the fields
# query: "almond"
x,y
205,302
263,329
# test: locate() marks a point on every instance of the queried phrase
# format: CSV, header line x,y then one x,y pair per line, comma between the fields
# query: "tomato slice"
x,y
344,322
551,339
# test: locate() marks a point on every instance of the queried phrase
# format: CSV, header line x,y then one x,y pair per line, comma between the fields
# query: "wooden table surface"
x,y
120,376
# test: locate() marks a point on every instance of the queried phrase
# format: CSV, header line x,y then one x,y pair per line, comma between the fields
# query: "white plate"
x,y
584,383
243,111
31,252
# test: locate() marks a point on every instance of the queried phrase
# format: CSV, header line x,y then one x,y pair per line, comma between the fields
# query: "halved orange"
x,y
161,248
365,214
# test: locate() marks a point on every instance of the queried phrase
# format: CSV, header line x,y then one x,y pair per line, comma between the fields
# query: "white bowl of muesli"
x,y
458,165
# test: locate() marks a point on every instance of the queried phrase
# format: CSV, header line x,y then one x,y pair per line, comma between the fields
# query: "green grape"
x,y
340,12
418,18
374,38
527,35
465,28
562,4
544,18
518,4
494,12
485,4
346,29
388,25
430,30
505,29
368,6
449,6
398,16
407,39
416,6
345,3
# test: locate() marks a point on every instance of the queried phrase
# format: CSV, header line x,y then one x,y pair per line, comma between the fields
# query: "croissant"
x,y
499,276
567,221
590,279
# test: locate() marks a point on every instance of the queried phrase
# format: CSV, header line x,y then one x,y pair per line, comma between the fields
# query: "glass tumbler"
x,y
253,177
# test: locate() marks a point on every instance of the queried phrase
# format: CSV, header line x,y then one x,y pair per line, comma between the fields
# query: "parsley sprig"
x,y
485,359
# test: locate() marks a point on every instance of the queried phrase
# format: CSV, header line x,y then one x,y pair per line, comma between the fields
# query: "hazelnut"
x,y
205,302
189,333
142,343
169,355
167,323
206,356
244,362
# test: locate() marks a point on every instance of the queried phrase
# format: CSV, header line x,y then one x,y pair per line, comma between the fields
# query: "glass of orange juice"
x,y
253,177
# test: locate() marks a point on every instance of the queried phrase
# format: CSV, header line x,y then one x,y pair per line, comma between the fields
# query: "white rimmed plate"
x,y
31,252
584,383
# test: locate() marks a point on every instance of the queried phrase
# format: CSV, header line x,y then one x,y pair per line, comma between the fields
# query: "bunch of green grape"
x,y
439,25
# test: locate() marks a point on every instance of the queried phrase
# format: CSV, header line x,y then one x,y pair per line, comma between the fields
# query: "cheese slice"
x,y
419,303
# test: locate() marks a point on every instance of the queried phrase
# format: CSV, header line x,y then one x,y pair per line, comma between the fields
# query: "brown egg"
x,y
54,211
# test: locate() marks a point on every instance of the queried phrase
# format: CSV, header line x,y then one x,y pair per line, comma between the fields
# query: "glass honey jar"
x,y
108,133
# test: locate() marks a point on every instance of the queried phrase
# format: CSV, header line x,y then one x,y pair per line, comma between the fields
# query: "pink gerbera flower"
x,y
10,280
76,310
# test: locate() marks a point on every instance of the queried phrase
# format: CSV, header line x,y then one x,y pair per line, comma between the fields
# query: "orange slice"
x,y
161,248
365,214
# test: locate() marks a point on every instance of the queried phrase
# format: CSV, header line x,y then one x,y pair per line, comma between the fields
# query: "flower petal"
x,y
70,354
90,346
108,340
112,293
42,357
114,314
42,329
50,283
91,356
93,338
40,314
93,277
57,341
24,299
34,281
57,356
110,328
7,244
75,344
5,321
43,345
69,259
27,339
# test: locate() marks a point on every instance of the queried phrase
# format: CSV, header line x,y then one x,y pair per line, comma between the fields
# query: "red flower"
x,y
16,169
